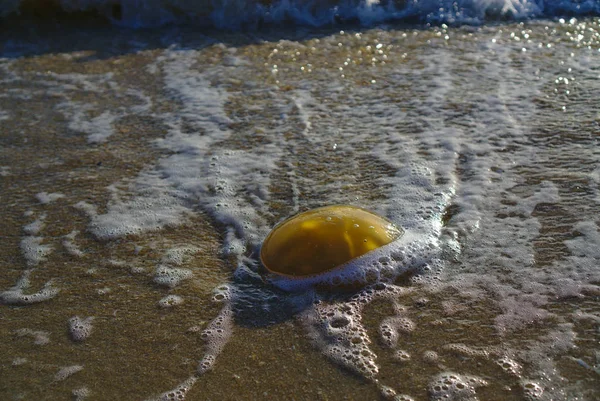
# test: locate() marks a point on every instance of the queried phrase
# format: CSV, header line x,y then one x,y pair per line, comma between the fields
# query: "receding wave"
x,y
250,14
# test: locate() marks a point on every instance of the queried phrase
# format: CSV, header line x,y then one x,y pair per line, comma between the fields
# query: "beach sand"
x,y
85,122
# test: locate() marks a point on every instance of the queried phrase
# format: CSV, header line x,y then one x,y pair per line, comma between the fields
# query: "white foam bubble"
x,y
45,198
116,263
402,355
532,390
170,301
17,296
222,293
91,119
156,207
465,350
514,233
586,245
178,393
387,392
70,245
179,256
81,393
520,310
510,366
66,372
452,386
60,84
391,328
39,337
80,328
215,336
98,128
34,251
171,276
430,356
337,331
594,177
36,226
19,361
87,208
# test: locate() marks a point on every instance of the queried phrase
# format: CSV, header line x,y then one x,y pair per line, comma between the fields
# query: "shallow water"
x,y
138,165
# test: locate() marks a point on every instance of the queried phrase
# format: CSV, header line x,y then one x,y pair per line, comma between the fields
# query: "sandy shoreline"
x,y
89,117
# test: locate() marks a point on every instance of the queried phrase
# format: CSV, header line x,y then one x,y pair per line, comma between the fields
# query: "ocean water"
x,y
144,159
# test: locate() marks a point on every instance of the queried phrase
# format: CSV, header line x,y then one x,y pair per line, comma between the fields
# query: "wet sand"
x,y
138,349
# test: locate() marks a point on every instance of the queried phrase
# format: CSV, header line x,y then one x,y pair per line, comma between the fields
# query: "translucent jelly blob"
x,y
323,239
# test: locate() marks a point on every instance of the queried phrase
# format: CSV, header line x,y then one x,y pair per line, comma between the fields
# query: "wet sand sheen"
x,y
142,349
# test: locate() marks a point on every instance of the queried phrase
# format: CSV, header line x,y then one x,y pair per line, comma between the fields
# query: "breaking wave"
x,y
252,14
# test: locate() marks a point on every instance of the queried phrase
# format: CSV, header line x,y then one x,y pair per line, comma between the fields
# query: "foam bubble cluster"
x,y
34,251
222,293
403,397
17,296
532,391
80,328
402,355
453,387
70,245
39,337
218,332
81,393
19,361
387,392
169,276
153,210
215,336
36,226
178,393
509,365
170,301
178,256
44,197
337,329
391,327
430,356
67,371
463,349
339,333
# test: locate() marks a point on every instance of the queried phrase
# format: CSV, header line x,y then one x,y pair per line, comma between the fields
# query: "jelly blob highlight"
x,y
323,239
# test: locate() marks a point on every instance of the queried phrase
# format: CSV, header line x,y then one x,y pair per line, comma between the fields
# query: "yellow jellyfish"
x,y
323,239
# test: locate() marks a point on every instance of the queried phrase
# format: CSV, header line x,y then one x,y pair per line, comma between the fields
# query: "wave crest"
x,y
251,14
